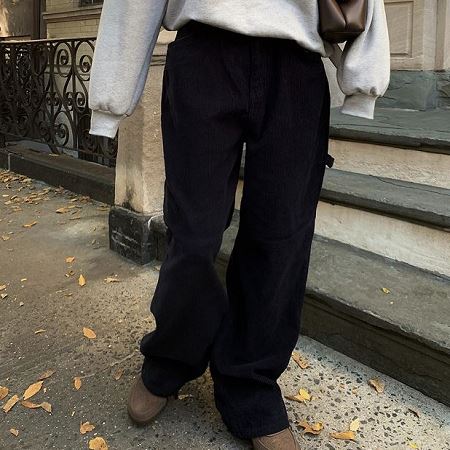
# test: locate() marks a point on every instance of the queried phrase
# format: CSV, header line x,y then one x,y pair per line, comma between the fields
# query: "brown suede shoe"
x,y
143,406
283,440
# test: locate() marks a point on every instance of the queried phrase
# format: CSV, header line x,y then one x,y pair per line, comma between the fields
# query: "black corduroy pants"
x,y
222,89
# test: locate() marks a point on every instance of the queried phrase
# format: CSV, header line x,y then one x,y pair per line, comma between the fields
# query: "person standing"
x,y
238,72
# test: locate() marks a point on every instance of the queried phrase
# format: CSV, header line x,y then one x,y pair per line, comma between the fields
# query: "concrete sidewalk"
x,y
43,312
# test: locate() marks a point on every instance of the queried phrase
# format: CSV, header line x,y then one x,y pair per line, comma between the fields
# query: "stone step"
x,y
404,333
404,221
400,144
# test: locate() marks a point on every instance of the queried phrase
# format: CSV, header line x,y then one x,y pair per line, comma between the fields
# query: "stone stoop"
x,y
405,221
399,144
402,333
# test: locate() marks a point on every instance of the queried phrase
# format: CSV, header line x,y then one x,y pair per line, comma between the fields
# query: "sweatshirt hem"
x,y
360,105
105,123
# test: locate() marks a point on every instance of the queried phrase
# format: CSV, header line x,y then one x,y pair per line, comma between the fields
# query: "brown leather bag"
x,y
342,20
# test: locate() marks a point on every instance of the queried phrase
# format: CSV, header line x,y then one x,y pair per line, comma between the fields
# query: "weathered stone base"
x,y
130,236
417,89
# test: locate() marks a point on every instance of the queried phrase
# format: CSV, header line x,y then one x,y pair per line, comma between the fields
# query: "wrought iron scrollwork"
x,y
44,96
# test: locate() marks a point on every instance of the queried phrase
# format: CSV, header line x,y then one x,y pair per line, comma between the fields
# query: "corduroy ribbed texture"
x,y
221,89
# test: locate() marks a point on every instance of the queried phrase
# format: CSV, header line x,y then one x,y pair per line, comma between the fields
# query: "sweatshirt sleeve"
x,y
363,71
127,35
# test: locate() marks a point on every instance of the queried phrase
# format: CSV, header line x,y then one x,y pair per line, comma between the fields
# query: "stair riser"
x,y
392,162
406,360
418,245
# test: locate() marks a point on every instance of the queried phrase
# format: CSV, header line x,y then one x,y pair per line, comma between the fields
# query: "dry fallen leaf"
x,y
184,396
46,406
413,445
30,405
62,210
98,444
77,383
300,360
86,427
29,225
70,259
40,331
412,411
4,391
14,432
377,384
118,374
354,425
344,435
303,396
32,390
112,280
90,334
2,287
10,403
46,374
81,281
386,290
315,428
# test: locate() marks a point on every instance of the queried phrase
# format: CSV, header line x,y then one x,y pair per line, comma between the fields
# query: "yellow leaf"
x,y
46,406
86,427
386,290
300,360
77,383
354,425
81,281
40,331
413,445
303,396
70,259
377,384
46,374
344,435
98,444
10,403
14,432
90,334
4,391
315,428
32,390
29,225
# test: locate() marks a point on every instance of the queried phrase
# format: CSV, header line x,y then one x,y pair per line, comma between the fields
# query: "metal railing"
x,y
44,97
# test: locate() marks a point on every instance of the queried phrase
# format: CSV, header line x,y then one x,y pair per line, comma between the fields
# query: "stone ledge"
x,y
79,176
426,205
418,130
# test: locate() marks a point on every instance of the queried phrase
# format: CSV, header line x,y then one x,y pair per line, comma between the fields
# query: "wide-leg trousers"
x,y
222,89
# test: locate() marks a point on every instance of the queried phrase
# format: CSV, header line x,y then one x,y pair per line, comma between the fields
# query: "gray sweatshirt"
x,y
128,31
